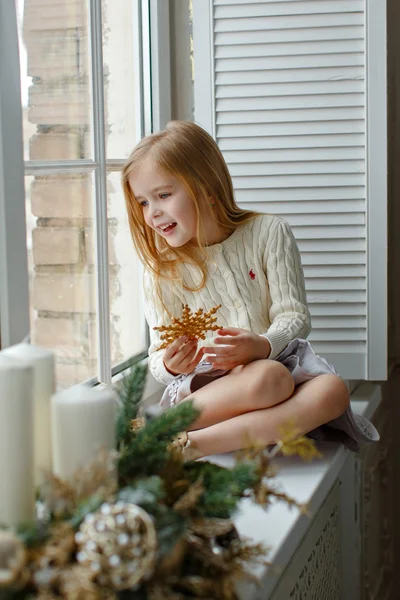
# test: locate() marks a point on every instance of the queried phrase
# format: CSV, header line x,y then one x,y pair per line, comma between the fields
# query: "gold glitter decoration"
x,y
118,544
12,558
137,424
194,325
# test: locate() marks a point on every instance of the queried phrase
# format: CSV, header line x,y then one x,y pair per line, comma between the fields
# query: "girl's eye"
x,y
144,203
163,196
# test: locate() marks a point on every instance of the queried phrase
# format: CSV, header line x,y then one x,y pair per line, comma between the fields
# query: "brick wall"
x,y
62,293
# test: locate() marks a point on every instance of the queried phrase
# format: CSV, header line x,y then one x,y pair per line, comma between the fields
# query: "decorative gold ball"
x,y
12,557
118,543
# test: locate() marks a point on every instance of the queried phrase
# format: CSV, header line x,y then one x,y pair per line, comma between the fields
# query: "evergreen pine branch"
x,y
223,487
147,493
146,452
130,391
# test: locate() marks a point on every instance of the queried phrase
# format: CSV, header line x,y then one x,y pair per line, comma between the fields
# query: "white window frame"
x,y
152,73
376,159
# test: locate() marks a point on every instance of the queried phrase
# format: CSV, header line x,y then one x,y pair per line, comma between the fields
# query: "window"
x,y
90,90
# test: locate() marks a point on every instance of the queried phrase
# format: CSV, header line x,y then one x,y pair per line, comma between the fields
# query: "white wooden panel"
x,y
289,81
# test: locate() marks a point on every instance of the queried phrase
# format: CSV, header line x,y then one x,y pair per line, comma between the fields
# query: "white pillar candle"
x,y
42,362
17,495
83,421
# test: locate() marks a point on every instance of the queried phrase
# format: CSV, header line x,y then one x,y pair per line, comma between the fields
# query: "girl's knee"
x,y
271,381
336,394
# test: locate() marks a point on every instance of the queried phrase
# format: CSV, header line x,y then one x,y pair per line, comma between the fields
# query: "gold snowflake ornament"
x,y
194,325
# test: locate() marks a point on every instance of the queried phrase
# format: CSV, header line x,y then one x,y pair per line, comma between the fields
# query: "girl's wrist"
x,y
265,347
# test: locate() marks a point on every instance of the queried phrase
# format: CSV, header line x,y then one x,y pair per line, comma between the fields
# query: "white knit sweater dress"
x,y
257,277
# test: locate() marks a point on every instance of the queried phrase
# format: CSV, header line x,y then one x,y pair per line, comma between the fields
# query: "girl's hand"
x,y
182,356
241,347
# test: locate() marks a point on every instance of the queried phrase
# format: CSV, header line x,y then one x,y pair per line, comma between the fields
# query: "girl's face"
x,y
166,205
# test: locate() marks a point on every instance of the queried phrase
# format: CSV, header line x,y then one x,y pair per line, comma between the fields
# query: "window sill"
x,y
280,528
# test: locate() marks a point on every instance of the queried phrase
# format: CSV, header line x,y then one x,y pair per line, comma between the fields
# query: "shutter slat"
x,y
322,220
331,296
288,155
291,129
340,310
297,89
245,3
305,195
325,271
331,335
289,75
290,102
290,49
296,168
297,181
331,141
271,9
241,38
306,115
333,258
262,63
332,245
308,21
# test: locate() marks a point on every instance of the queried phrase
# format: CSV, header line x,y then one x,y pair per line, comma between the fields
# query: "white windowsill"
x,y
280,528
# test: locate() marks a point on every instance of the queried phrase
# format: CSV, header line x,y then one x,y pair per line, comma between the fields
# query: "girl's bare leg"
x,y
312,404
259,384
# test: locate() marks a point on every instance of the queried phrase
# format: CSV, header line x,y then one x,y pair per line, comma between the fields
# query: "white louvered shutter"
x,y
288,89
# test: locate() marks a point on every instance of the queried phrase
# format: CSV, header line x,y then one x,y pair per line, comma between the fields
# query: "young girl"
x,y
201,249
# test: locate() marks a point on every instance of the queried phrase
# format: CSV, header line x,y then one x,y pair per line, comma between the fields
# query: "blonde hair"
x,y
188,153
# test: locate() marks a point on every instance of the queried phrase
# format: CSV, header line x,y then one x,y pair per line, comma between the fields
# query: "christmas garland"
x,y
140,523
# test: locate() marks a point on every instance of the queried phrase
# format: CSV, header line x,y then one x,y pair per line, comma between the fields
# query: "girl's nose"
x,y
155,211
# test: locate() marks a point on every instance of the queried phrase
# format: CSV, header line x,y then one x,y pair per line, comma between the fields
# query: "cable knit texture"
x,y
257,277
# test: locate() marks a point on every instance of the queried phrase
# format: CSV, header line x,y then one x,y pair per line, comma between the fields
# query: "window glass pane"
x,y
55,79
119,29
61,272
126,305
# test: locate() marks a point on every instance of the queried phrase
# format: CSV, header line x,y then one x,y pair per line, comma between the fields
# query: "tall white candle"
x,y
17,495
83,421
42,362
